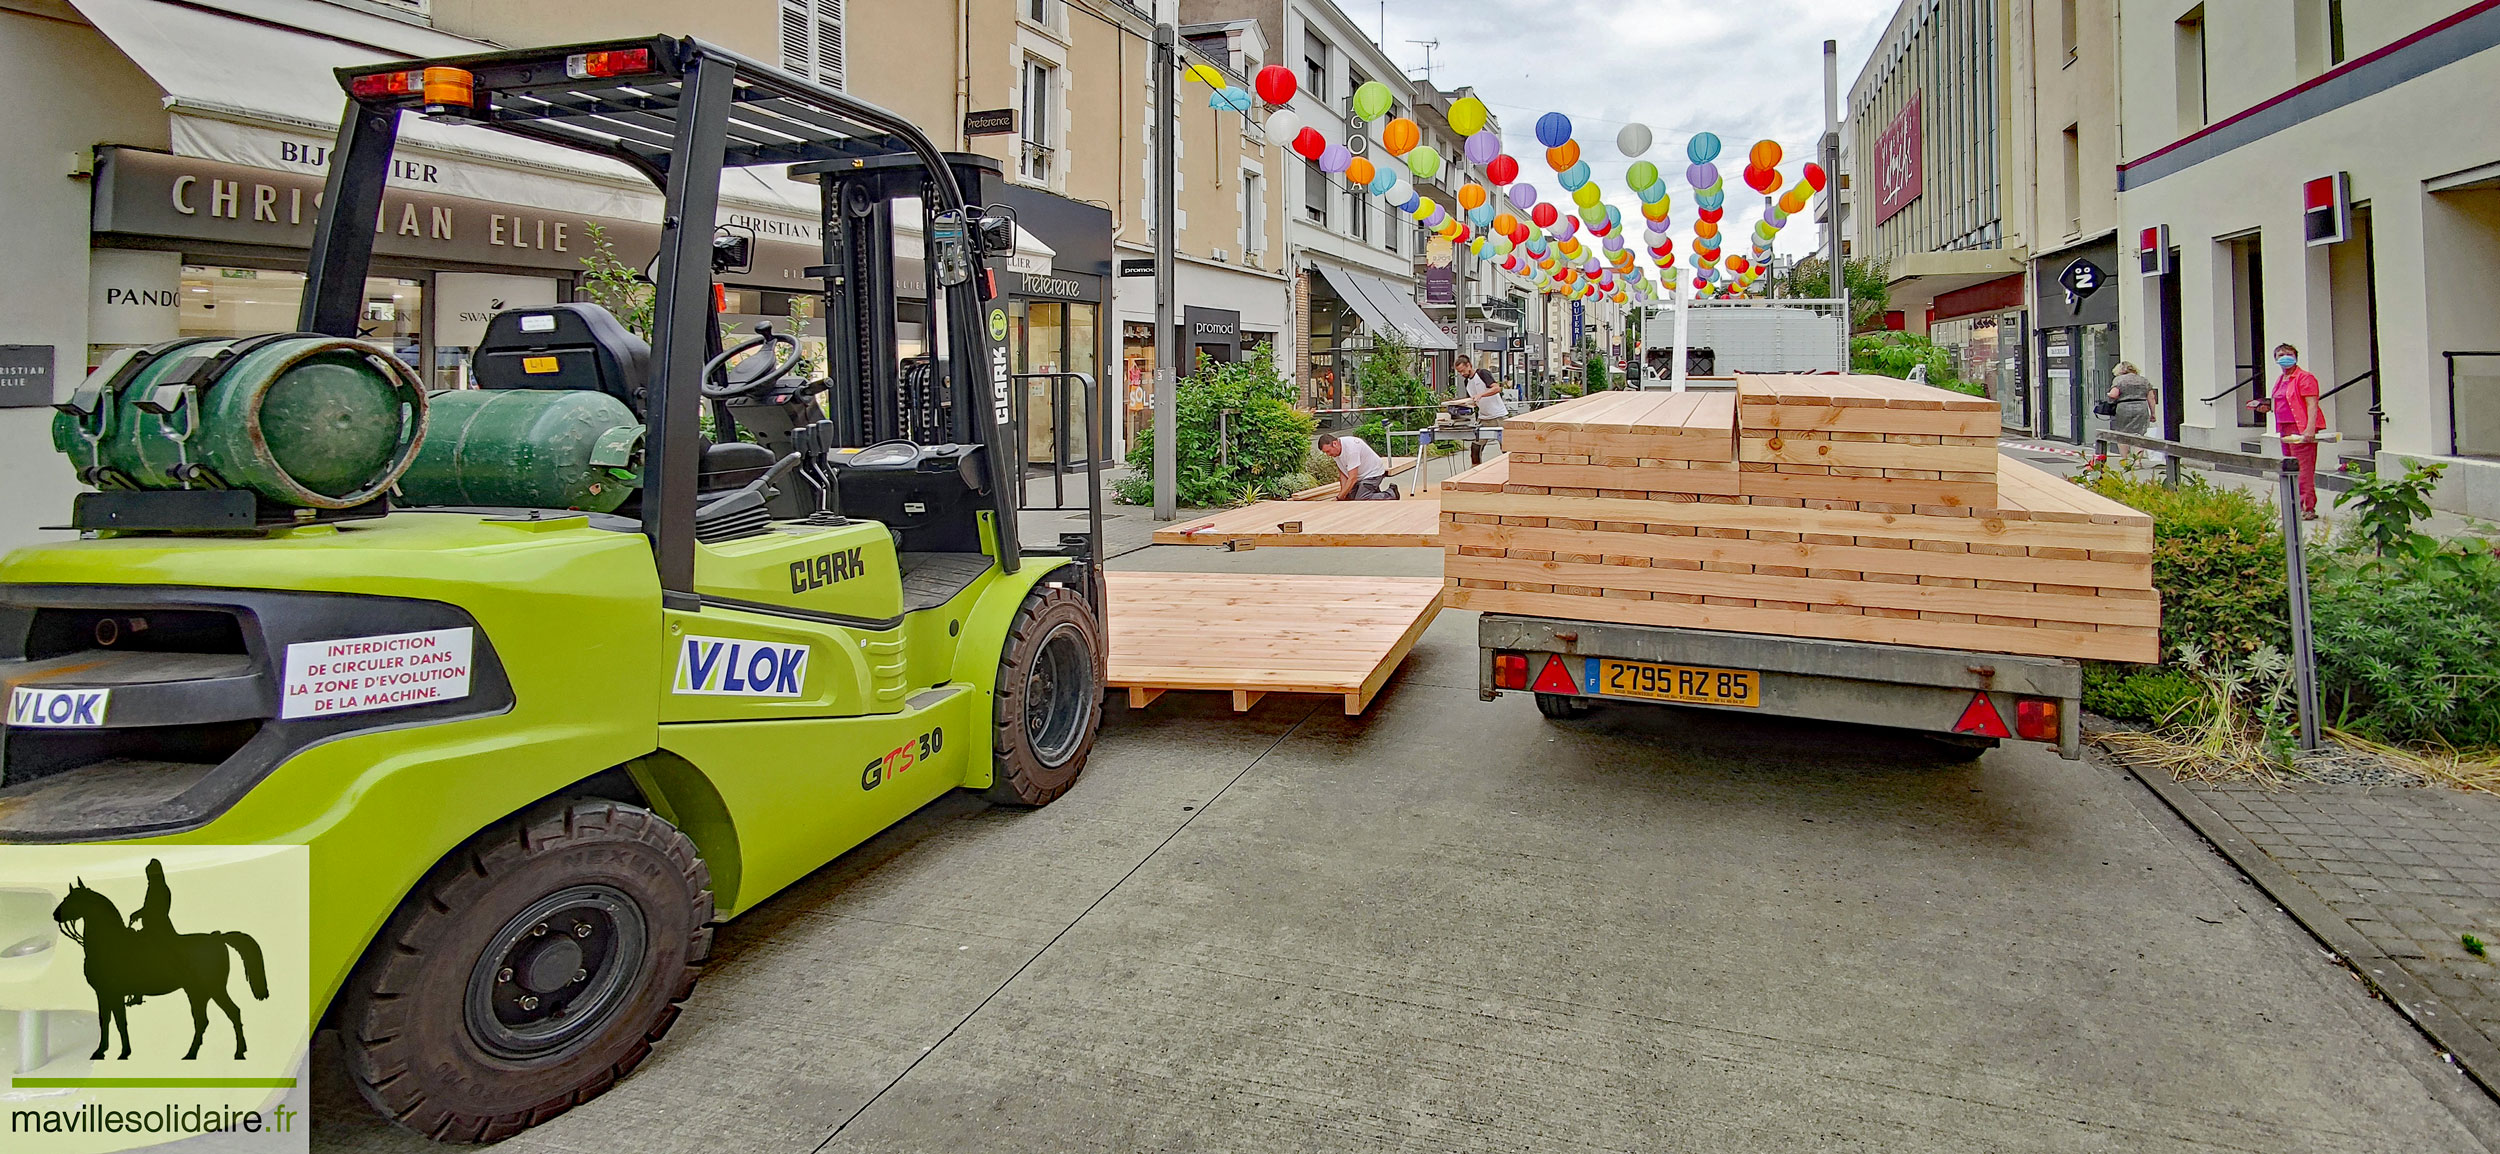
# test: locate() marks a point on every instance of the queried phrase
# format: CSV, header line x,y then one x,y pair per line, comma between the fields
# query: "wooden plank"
x,y
1853,390
1868,419
1328,491
2039,489
1488,477
1904,491
1408,523
2019,568
1722,478
1243,699
2082,610
1255,634
1795,450
1782,519
2116,644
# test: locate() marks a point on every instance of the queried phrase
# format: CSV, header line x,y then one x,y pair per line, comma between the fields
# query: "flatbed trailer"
x,y
1965,698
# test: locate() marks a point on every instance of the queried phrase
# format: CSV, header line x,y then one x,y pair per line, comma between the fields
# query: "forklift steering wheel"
x,y
716,382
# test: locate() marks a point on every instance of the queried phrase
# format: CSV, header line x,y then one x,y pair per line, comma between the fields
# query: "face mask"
x,y
2287,362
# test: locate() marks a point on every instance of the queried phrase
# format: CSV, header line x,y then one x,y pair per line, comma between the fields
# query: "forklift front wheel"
x,y
1562,706
533,969
1049,700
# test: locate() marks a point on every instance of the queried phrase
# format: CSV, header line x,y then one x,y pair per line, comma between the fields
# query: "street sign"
x,y
1137,266
990,122
25,376
2152,251
2326,209
2082,278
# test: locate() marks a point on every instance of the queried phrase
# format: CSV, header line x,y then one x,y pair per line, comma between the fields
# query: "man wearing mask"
x,y
1478,388
2299,418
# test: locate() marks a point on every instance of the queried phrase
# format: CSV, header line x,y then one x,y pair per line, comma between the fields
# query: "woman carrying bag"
x,y
2129,405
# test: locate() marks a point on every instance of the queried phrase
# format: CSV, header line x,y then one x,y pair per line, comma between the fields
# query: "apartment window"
x,y
1253,213
2065,26
1038,11
1389,233
1358,214
811,40
1354,82
1315,67
1041,82
2194,112
2335,31
1315,195
2074,178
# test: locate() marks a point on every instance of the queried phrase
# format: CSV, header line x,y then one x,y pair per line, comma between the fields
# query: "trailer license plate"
x,y
1695,685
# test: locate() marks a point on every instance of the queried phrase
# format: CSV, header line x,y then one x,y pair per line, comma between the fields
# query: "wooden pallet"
x,y
1328,492
1412,522
1865,552
1250,635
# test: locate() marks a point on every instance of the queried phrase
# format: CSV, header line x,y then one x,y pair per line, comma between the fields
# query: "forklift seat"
x,y
566,346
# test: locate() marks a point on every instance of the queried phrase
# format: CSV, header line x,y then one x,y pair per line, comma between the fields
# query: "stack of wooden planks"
x,y
1862,509
1411,522
1252,634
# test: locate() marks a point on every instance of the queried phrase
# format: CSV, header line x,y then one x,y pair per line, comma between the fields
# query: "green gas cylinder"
x,y
301,419
526,448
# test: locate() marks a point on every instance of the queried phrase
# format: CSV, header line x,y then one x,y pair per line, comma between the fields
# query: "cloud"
x,y
1746,71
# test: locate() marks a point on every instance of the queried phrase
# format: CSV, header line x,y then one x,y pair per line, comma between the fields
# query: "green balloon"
x,y
1372,100
1423,162
1641,175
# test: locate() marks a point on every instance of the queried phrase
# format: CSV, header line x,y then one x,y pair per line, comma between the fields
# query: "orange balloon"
x,y
1563,155
1401,136
1705,228
1766,154
1505,224
1360,171
1471,196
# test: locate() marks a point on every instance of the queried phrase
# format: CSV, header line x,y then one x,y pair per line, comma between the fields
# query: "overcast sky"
x,y
1747,70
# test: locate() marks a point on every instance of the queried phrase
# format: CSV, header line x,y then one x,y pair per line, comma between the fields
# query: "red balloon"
x,y
1519,234
1816,178
1276,84
1545,215
1504,170
1714,215
1310,143
1465,233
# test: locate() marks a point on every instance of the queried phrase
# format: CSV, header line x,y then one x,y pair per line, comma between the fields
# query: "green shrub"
x,y
2409,644
1888,354
2155,696
1390,376
1266,439
2217,562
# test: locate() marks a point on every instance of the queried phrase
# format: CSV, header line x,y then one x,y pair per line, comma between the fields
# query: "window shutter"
x,y
829,43
797,43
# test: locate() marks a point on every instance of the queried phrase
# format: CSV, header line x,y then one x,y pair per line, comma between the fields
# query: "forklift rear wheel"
x,y
1562,706
1049,700
533,969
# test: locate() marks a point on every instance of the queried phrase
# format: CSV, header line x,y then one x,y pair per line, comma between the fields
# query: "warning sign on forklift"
x,y
355,674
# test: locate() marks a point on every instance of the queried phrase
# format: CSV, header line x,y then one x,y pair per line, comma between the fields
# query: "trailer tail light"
x,y
601,65
434,87
1979,718
2035,718
1510,671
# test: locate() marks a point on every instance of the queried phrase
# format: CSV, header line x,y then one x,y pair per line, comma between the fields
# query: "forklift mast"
x,y
680,112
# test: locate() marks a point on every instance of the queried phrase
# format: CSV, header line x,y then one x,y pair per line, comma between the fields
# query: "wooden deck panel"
x,y
1412,522
1249,635
1328,491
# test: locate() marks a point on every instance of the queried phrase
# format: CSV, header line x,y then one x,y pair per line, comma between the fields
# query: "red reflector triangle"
x,y
1981,719
1555,678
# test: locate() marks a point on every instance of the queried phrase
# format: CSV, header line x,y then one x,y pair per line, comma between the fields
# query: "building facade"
x,y
1931,135
2064,192
2299,171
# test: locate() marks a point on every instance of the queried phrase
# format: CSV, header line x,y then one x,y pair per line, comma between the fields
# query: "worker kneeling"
x,y
1361,474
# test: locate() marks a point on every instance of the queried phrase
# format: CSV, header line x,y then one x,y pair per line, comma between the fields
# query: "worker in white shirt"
x,y
1481,390
1361,474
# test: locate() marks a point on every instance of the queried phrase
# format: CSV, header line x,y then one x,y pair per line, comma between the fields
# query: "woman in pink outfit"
x,y
2299,419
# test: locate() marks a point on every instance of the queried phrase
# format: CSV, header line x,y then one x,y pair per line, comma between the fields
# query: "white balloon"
x,y
1283,124
1633,140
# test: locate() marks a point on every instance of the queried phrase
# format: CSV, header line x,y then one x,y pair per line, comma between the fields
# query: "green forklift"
x,y
554,674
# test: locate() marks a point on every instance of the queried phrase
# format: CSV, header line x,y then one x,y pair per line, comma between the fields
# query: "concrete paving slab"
x,y
1454,925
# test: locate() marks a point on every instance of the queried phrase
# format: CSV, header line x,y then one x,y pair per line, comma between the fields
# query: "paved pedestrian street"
x,y
1455,925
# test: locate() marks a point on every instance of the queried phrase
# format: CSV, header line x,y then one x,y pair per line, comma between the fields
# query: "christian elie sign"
x,y
25,376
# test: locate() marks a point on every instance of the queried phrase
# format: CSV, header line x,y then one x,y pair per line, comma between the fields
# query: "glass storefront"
x,y
1046,336
219,301
1988,348
2078,363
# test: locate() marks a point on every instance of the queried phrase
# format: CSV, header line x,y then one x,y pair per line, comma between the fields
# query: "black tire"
x,y
1562,706
1049,700
454,1025
1961,746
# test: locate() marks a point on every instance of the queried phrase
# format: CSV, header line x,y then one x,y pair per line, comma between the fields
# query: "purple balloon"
x,y
1523,196
1614,242
1483,147
1439,217
1336,158
1702,175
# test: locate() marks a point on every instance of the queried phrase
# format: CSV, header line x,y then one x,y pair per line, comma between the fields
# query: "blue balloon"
x,y
1575,176
1411,202
1614,216
1702,149
1654,193
1552,129
1481,215
1383,180
1229,100
1710,200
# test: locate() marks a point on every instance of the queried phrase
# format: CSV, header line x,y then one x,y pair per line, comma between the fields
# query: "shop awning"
x,y
250,82
1386,309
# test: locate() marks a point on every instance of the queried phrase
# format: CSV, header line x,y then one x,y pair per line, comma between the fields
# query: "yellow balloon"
x,y
1468,116
1212,76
